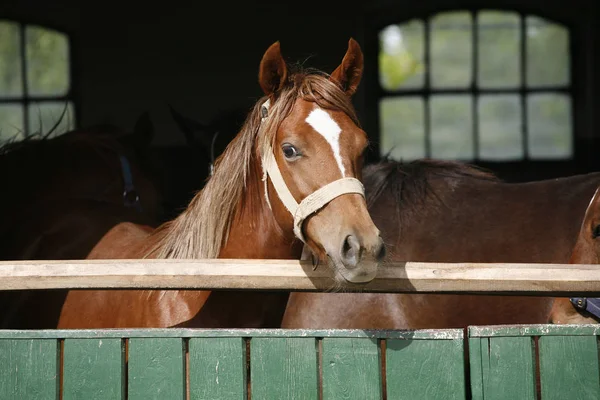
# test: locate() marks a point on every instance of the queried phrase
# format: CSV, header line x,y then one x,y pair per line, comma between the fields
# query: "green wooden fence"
x,y
485,363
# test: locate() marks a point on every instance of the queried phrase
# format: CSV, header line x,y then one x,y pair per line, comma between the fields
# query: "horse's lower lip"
x,y
338,267
358,282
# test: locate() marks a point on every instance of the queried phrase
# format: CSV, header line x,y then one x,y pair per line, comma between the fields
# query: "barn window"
x,y
35,81
475,85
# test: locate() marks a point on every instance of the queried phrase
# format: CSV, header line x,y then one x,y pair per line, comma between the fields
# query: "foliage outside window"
x,y
35,81
485,85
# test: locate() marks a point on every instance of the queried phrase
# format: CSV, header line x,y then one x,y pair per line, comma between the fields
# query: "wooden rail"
x,y
293,275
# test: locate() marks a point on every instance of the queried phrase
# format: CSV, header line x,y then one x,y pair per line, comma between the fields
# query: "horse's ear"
x,y
196,134
143,130
273,72
349,72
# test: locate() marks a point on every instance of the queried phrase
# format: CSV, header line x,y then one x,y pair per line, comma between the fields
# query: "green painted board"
x,y
211,333
93,369
502,368
534,330
351,369
569,367
285,364
425,369
28,369
283,368
156,369
476,367
217,368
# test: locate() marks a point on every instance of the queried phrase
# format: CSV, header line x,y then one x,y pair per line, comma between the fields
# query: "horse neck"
x,y
254,232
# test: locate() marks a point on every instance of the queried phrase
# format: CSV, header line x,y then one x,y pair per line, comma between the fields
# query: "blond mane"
x,y
202,229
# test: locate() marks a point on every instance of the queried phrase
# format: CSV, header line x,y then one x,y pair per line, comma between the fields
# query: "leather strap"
x,y
130,194
588,304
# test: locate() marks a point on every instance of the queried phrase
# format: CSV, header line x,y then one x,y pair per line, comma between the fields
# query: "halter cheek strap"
x,y
311,203
130,194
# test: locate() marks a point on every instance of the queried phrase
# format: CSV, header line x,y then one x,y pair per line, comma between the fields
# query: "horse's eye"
x,y
596,231
290,151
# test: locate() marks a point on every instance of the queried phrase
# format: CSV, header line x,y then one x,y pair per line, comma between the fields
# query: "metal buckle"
x,y
131,198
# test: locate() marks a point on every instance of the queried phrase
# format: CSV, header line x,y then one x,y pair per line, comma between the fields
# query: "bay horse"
x,y
438,211
290,177
586,251
61,195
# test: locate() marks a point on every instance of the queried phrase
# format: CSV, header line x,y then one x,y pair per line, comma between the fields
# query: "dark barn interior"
x,y
111,114
125,59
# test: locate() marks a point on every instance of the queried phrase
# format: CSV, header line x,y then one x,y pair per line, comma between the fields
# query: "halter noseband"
x,y
311,203
131,197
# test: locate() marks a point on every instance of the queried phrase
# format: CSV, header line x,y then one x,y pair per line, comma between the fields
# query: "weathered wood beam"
x,y
293,275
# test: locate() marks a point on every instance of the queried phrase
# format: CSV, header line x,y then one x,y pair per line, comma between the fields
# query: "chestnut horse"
x,y
434,211
586,251
290,177
61,195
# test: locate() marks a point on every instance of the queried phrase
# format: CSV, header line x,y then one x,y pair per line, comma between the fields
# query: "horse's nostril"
x,y
351,251
380,251
346,247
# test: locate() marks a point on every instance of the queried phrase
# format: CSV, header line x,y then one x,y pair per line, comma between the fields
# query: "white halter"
x,y
311,203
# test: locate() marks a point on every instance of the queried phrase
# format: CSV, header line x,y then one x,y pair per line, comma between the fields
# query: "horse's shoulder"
x,y
124,240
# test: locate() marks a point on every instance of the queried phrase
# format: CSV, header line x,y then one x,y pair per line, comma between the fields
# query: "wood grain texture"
x,y
294,275
420,364
569,367
93,369
425,369
217,368
28,369
156,369
213,333
502,368
534,330
283,368
351,369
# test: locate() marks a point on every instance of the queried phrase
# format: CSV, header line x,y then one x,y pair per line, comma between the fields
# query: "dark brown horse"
x,y
61,195
186,168
289,176
435,211
586,251
209,140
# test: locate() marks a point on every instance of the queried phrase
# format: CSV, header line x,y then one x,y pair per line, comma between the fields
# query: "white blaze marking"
x,y
330,130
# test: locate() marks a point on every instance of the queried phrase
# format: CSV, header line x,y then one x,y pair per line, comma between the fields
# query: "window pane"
x,y
47,62
401,56
548,57
550,126
11,83
11,122
500,136
44,115
451,50
402,131
451,127
499,49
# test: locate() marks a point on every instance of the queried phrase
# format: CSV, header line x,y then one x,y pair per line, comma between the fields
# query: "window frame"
x,y
25,99
375,92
